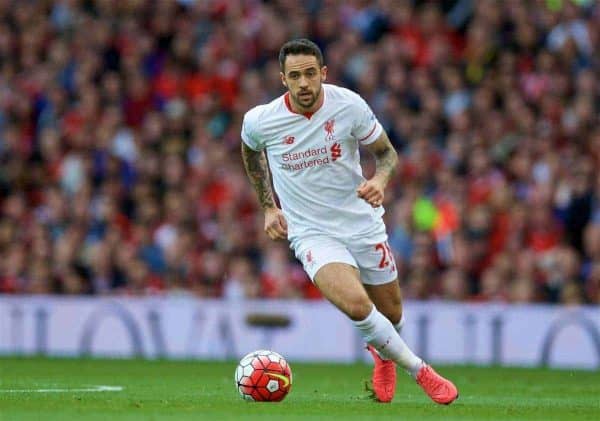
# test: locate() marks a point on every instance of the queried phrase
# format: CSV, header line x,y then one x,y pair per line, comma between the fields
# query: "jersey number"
x,y
386,255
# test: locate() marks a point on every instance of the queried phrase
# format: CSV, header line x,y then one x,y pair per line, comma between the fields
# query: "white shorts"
x,y
374,260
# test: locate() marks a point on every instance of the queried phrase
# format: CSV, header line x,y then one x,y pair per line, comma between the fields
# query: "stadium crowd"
x,y
120,170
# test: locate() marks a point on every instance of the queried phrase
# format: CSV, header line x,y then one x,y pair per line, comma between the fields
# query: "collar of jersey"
x,y
308,115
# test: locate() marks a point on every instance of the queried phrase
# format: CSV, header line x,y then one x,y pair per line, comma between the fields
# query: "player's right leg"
x,y
388,300
334,270
341,285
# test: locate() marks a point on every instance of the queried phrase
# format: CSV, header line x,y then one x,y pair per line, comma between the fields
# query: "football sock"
x,y
398,326
379,332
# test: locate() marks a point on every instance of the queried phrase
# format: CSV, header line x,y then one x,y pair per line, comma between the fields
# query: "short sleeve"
x,y
366,128
249,131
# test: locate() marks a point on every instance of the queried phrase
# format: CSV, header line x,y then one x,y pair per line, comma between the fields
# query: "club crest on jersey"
x,y
329,127
309,261
288,140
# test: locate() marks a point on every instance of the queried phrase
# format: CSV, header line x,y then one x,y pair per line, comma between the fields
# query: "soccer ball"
x,y
263,376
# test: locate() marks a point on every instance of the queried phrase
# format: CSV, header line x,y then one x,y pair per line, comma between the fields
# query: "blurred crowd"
x,y
120,170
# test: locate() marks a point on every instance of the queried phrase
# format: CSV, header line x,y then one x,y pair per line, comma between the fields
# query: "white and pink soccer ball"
x,y
263,376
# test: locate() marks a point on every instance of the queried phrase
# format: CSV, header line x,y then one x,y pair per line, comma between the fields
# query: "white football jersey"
x,y
315,163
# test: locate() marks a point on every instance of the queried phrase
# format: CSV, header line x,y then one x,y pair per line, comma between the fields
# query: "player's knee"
x,y
359,309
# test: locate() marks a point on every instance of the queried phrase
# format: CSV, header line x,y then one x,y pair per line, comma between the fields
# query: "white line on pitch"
x,y
99,388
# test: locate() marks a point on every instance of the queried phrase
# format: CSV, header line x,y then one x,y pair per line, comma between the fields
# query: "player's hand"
x,y
275,224
371,191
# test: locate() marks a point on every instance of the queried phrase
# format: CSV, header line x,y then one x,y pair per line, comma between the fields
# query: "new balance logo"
x,y
288,140
336,151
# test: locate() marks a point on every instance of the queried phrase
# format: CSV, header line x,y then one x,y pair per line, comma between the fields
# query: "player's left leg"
x,y
388,300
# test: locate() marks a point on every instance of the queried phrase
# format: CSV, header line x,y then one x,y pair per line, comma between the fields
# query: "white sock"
x,y
379,332
398,326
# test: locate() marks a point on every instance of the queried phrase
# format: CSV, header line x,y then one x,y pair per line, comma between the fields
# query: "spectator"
x,y
119,137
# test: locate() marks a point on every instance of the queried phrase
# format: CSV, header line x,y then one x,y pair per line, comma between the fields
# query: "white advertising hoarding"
x,y
184,327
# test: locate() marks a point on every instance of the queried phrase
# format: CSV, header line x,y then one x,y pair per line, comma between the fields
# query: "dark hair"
x,y
300,46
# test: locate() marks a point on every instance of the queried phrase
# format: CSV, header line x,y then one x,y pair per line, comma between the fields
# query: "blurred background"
x,y
120,171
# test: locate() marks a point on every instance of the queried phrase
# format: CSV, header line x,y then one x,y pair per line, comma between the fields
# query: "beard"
x,y
307,101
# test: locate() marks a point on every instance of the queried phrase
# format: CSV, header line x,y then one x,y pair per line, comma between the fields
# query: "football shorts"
x,y
374,259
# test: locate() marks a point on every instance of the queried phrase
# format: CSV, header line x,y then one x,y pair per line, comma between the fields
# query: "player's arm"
x,y
386,161
257,170
258,173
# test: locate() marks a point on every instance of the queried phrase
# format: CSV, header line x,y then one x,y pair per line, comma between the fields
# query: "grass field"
x,y
189,390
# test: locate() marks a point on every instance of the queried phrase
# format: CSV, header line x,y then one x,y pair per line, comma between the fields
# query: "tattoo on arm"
x,y
386,157
258,173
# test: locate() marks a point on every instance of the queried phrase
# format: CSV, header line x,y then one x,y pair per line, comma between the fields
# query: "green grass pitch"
x,y
192,390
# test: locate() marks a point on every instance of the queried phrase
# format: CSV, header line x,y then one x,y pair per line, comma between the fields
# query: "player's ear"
x,y
282,76
323,73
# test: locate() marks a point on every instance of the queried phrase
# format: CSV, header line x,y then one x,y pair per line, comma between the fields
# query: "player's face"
x,y
303,77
